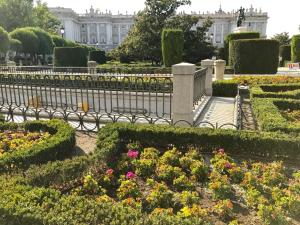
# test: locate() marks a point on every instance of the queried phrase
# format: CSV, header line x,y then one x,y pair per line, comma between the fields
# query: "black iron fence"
x,y
88,100
199,85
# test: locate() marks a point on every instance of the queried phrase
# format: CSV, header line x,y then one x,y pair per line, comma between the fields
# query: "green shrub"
x,y
277,91
237,36
70,57
225,88
172,47
269,118
255,56
15,45
4,41
285,53
29,40
45,41
98,56
2,118
296,48
58,146
59,41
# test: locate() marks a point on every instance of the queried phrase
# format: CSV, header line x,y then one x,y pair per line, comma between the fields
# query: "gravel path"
x,y
85,142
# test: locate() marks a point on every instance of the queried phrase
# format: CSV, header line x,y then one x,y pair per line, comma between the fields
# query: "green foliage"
x,y
98,56
282,38
70,57
4,41
29,40
57,146
134,69
277,91
46,44
296,48
172,47
285,53
237,36
269,117
225,88
254,56
15,45
59,41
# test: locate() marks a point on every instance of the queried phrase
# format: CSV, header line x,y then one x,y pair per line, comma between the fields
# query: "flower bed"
x,y
269,117
34,143
292,116
159,178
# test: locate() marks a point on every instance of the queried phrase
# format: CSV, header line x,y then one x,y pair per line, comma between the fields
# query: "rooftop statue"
x,y
241,17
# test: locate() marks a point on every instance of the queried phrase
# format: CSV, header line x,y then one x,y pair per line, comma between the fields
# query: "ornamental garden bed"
x,y
145,174
291,91
271,114
34,143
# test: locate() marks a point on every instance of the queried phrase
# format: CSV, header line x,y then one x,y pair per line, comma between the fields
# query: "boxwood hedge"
x,y
254,56
58,146
285,53
70,57
277,91
295,48
269,118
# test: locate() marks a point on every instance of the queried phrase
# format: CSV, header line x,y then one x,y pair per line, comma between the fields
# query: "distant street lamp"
x,y
62,31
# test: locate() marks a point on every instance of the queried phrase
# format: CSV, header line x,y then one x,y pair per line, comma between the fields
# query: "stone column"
x,y
183,94
119,34
209,64
88,34
108,34
220,69
92,67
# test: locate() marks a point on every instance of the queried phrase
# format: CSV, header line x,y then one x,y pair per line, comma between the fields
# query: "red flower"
x,y
130,175
133,154
109,172
221,151
228,165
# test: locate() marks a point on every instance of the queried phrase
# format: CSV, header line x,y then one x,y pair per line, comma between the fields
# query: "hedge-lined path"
x,y
85,142
218,111
249,122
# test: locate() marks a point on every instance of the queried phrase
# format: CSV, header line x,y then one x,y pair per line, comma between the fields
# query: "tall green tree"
x,y
196,46
4,41
144,39
15,13
44,19
283,38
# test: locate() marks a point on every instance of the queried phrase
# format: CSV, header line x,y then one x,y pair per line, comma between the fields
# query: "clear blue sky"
x,y
284,15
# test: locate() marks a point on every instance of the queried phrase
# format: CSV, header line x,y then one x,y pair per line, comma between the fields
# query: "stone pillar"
x,y
92,67
220,69
88,34
209,64
183,94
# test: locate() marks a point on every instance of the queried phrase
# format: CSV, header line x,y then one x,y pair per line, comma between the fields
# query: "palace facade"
x,y
107,31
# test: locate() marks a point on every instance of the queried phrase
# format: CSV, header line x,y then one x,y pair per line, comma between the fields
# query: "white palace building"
x,y
107,31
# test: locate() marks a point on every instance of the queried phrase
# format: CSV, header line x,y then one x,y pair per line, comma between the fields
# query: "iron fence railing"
x,y
87,99
199,85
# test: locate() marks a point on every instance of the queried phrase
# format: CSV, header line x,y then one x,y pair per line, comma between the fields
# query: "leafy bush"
x,y
29,40
4,41
254,56
172,46
70,57
58,146
15,45
98,56
59,41
296,48
237,36
225,88
285,53
269,117
277,91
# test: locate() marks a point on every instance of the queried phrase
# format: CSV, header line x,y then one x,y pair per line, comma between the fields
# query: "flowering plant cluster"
x,y
19,140
186,185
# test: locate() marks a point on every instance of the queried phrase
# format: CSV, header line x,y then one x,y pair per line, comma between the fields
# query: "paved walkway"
x,y
218,111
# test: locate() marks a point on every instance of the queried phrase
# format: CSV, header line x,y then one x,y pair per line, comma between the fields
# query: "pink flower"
x,y
130,175
228,165
109,172
221,151
133,154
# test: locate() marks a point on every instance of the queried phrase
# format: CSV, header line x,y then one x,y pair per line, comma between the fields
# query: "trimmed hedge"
x,y
254,56
172,46
225,88
295,49
285,53
269,118
98,56
70,57
58,146
4,41
277,91
237,36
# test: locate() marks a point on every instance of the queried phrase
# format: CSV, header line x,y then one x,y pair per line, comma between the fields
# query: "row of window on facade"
x,y
116,39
